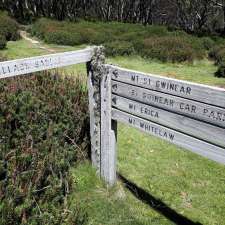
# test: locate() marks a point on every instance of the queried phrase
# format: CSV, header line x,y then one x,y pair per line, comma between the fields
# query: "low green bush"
x,y
220,73
218,54
148,41
3,42
63,38
8,27
207,43
119,48
171,49
43,132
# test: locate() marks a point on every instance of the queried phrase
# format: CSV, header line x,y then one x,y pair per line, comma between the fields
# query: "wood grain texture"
x,y
45,62
189,108
108,133
95,129
201,130
193,144
202,93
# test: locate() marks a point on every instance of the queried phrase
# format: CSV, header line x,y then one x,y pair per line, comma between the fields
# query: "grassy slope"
x,y
191,185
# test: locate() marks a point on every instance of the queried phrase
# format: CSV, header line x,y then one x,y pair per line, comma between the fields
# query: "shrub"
x,y
8,27
220,73
155,30
207,43
181,46
218,54
43,132
63,38
118,48
3,42
172,49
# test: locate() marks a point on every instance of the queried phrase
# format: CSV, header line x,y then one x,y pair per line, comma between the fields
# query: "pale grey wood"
x,y
171,103
199,129
203,93
45,62
94,124
193,144
95,70
108,133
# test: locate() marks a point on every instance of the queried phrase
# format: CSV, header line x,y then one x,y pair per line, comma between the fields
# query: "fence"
x,y
189,115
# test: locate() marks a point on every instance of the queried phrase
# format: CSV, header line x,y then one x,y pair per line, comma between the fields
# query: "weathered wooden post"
x,y
102,128
95,71
108,131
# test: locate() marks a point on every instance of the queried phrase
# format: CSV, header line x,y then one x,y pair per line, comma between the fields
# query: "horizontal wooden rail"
x,y
45,62
193,144
198,92
182,106
199,129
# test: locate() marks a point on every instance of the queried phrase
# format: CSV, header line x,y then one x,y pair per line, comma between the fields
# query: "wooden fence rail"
x,y
45,62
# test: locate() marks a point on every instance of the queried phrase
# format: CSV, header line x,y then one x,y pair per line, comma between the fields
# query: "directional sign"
x,y
45,62
199,129
182,106
193,144
189,115
202,93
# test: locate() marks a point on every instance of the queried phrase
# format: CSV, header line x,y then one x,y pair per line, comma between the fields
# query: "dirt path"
x,y
38,44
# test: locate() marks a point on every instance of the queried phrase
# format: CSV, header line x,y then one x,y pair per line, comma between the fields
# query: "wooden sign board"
x,y
45,62
201,93
195,145
188,115
182,106
196,128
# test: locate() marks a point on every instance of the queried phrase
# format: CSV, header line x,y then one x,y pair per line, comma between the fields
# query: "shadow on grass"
x,y
156,204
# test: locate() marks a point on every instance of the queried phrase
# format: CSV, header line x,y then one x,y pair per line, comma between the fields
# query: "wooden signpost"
x,y
189,115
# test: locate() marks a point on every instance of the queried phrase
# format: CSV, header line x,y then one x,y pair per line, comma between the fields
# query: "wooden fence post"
x,y
103,130
95,70
108,132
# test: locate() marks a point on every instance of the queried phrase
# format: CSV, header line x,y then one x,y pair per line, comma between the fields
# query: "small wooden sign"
x,y
45,62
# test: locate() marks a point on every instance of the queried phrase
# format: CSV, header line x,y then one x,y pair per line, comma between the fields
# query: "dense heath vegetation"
x,y
43,129
8,29
124,39
194,16
151,42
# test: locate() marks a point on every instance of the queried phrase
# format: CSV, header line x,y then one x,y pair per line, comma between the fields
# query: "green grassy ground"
x,y
189,184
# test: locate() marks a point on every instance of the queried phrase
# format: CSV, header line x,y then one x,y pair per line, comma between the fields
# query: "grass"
x,y
189,184
21,49
108,206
